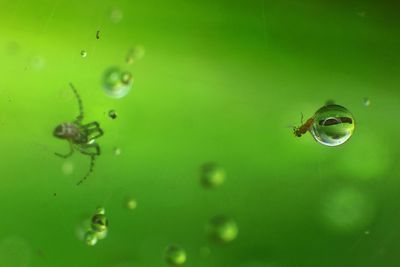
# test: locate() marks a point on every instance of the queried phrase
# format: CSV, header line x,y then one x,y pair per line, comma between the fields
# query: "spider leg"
x,y
79,118
91,168
302,117
93,130
92,149
71,151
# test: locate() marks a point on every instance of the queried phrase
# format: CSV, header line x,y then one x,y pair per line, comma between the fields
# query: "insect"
x,y
81,137
331,125
299,131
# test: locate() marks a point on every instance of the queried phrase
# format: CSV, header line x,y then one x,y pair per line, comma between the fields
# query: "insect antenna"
x,y
91,167
80,116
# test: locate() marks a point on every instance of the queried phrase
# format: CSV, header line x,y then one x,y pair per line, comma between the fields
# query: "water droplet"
x,y
332,125
101,235
100,210
83,53
116,15
347,209
112,114
117,83
222,229
175,255
117,151
67,168
135,54
99,223
212,175
131,203
91,238
366,101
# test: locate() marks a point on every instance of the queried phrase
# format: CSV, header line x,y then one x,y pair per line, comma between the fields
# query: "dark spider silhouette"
x,y
81,137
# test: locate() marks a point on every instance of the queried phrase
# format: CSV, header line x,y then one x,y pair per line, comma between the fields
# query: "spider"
x,y
81,137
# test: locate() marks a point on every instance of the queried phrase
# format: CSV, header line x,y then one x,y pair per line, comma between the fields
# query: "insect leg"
x,y
80,116
92,149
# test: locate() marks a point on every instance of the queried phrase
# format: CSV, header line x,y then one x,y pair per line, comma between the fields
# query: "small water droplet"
x,y
112,114
175,255
83,53
130,203
222,229
117,151
91,238
116,15
212,175
117,83
366,101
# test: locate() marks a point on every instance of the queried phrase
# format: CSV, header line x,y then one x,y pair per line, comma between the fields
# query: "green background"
x,y
221,81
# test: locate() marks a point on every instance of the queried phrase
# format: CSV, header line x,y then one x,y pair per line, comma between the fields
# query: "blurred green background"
x,y
221,81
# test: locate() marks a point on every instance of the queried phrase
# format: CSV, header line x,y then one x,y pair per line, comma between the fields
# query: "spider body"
x,y
81,137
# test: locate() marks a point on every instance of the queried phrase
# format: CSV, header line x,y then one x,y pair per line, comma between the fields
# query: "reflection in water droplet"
x,y
332,125
117,83
175,255
222,229
99,222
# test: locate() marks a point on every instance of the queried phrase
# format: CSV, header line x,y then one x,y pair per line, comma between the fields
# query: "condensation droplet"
x,y
112,114
117,83
222,229
130,203
83,53
366,101
212,175
175,255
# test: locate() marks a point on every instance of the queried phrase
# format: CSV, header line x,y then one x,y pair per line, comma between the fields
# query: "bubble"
x,y
222,229
117,83
15,252
135,54
99,222
175,255
131,203
67,168
366,102
91,238
112,114
332,125
347,210
212,175
83,53
116,15
117,151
